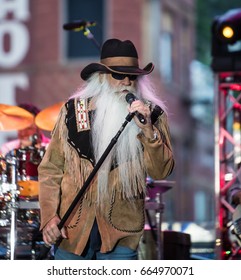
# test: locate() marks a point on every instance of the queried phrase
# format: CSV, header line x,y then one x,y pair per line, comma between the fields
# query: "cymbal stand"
x,y
159,213
158,206
11,250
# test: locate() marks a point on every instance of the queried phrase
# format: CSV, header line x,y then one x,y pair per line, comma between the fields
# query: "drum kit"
x,y
19,207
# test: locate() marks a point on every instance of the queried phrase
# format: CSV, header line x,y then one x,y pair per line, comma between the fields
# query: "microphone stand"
x,y
45,249
82,25
90,36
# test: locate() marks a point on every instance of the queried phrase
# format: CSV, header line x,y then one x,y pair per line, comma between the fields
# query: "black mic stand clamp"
x,y
82,25
90,36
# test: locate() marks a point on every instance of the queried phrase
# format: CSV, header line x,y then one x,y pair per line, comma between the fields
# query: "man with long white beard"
x,y
108,221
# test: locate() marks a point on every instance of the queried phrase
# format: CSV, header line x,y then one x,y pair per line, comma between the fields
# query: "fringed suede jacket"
x,y
66,165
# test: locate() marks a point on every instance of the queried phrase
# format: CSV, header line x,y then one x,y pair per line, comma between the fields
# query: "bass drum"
x,y
28,161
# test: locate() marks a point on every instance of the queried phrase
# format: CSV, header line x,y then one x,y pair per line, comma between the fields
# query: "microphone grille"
x,y
130,97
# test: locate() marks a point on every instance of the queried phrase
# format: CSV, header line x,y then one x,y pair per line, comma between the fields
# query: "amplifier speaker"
x,y
176,246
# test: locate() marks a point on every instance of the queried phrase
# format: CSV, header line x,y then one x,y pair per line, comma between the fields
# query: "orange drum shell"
x,y
29,188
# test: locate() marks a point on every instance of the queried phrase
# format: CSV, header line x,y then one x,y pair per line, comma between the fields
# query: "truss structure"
x,y
227,123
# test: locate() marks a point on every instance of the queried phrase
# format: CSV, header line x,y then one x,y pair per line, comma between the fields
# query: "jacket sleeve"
x,y
158,155
50,173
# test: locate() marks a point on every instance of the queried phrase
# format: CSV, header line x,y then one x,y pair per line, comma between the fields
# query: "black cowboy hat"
x,y
119,57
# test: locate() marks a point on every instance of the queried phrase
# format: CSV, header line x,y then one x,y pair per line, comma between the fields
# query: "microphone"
x,y
78,25
130,97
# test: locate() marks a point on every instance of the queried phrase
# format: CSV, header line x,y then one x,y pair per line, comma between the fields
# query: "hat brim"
x,y
130,70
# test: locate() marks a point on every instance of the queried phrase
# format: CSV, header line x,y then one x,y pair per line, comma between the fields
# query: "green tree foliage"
x,y
206,11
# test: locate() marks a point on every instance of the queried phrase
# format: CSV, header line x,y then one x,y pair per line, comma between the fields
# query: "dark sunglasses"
x,y
122,76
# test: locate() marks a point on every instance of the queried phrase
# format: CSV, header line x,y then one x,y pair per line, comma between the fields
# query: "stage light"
x,y
226,41
227,27
227,32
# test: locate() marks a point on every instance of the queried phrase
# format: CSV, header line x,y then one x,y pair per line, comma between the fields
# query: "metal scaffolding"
x,y
227,160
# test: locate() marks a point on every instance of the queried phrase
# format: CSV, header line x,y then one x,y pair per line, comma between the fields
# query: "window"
x,y
200,206
77,44
166,45
166,57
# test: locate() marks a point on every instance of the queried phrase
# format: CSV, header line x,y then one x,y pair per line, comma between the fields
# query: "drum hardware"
x,y
28,204
29,158
4,213
4,222
18,180
154,201
12,206
19,209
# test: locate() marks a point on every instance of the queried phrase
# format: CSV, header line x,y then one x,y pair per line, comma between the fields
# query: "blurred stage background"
x,y
40,63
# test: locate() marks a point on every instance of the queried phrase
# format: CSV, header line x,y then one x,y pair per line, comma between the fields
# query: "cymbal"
x,y
158,187
47,118
14,118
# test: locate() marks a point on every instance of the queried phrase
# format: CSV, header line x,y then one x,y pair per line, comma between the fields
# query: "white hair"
x,y
109,116
146,91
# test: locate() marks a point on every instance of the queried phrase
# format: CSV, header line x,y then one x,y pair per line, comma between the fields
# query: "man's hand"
x,y
51,232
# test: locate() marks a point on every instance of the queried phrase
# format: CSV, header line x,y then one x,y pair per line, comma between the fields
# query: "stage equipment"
x,y
237,222
154,201
19,207
226,65
14,118
227,126
29,159
78,25
8,205
83,25
47,118
226,41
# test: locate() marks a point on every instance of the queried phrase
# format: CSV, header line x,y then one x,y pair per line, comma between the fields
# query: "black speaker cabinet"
x,y
176,246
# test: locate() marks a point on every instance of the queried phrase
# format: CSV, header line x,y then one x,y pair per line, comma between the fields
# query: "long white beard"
x,y
127,153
